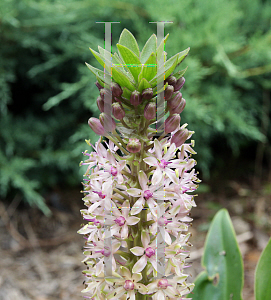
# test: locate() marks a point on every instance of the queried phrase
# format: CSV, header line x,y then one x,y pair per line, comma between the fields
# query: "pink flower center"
x,y
128,285
100,194
163,283
120,221
113,171
147,194
105,252
163,163
149,252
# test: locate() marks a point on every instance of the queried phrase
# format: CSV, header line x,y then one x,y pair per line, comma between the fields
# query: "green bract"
x,y
135,70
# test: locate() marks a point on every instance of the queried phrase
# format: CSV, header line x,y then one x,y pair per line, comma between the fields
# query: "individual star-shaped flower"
x,y
129,284
161,163
121,221
147,253
146,194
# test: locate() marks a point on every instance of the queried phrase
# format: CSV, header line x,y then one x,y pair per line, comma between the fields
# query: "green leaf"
x,y
262,275
129,41
144,84
149,69
126,93
148,49
180,74
161,47
169,66
131,60
122,79
100,74
223,278
182,55
102,61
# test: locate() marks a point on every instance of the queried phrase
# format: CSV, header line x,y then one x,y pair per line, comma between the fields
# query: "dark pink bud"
x,y
172,122
135,98
169,92
134,145
175,101
118,111
163,283
106,95
100,104
98,85
128,285
150,111
147,93
149,252
116,89
179,137
179,108
105,121
96,126
147,194
179,84
171,80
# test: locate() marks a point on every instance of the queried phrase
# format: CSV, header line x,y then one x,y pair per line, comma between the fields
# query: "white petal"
x,y
142,178
125,272
157,176
158,149
138,251
140,265
132,220
145,238
150,161
134,192
138,206
124,232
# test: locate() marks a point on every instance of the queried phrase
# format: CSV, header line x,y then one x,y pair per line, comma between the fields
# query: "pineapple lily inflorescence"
x,y
138,184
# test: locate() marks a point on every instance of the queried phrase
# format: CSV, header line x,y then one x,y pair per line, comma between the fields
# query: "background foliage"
x,y
47,93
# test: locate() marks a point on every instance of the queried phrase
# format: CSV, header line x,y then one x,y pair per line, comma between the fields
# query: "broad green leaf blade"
x,y
224,275
128,40
180,74
116,62
169,66
131,60
263,275
144,84
122,79
149,69
104,77
126,93
102,61
182,55
161,47
148,48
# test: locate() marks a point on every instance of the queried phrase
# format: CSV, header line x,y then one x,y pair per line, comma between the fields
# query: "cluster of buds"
x,y
123,195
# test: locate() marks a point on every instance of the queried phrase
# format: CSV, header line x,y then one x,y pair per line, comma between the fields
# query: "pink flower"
x,y
161,163
147,253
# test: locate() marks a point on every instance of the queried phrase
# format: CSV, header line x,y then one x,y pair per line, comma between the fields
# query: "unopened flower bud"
x,y
134,145
150,111
175,101
116,89
135,98
179,84
169,92
105,121
105,95
171,80
147,93
172,122
96,126
179,108
118,111
100,104
98,85
179,137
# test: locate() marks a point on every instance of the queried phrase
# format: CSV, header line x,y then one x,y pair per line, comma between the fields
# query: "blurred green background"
x,y
47,93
